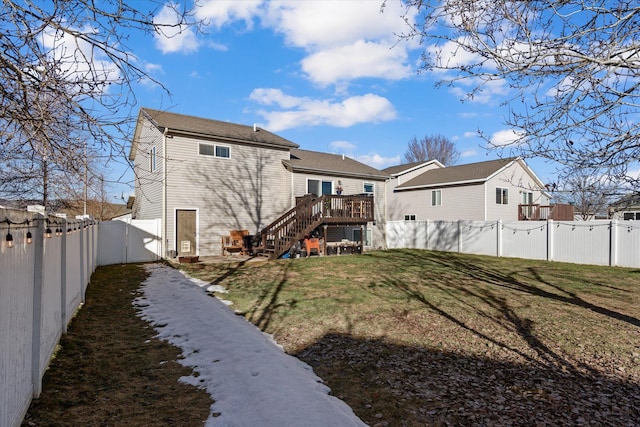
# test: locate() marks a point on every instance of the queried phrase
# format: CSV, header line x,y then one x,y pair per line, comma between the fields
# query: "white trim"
x,y
373,187
175,226
442,184
421,165
215,150
436,191
152,159
502,194
321,180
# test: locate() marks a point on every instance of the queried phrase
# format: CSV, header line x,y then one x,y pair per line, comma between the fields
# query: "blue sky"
x,y
328,75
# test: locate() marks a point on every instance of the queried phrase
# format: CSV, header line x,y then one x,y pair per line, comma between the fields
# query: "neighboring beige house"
x,y
205,177
321,173
483,191
626,208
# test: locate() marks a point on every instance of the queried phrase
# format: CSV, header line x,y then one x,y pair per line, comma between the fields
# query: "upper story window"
x,y
436,197
631,216
319,187
502,196
152,159
368,187
214,150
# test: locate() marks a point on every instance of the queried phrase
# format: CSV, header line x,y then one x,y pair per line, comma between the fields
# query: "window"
x,y
214,150
152,159
357,234
368,187
222,151
527,198
436,197
502,196
630,216
318,187
409,217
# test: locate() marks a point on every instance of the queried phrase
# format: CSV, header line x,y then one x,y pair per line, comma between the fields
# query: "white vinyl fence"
x,y
127,241
603,242
43,282
42,285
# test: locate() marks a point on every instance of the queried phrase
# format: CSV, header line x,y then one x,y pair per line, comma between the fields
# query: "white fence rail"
x,y
614,243
127,241
42,285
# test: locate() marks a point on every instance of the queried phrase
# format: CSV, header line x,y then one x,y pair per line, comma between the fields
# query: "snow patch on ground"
x,y
252,381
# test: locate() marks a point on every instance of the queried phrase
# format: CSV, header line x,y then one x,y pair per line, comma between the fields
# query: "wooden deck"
x,y
557,212
310,213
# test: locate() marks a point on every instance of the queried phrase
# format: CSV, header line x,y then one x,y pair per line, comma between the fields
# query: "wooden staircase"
x,y
310,213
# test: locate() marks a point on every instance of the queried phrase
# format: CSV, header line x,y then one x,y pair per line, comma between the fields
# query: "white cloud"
x,y
342,146
487,91
171,35
315,25
150,67
470,134
218,13
79,61
468,153
367,108
360,59
377,161
451,55
506,137
345,40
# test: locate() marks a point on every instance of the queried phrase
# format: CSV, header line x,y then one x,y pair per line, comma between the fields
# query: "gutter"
x,y
443,184
164,193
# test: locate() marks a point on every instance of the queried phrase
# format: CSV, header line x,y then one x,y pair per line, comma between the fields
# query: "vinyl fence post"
x,y
613,242
459,236
83,271
499,238
427,224
38,279
550,241
63,278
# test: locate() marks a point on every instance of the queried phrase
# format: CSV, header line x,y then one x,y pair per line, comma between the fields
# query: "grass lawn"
x,y
110,371
410,337
406,337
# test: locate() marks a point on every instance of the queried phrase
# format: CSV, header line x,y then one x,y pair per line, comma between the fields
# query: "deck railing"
x,y
557,212
311,212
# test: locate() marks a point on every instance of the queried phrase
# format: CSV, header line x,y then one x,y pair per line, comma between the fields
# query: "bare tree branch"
x,y
572,68
67,79
432,147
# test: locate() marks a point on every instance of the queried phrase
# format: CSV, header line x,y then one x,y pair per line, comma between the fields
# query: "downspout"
x,y
292,200
165,238
486,202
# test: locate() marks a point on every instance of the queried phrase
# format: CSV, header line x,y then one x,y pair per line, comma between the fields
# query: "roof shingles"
x,y
215,128
313,161
457,174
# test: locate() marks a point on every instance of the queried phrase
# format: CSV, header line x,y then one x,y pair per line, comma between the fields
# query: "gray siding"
x,y
516,180
410,175
248,190
463,202
351,186
148,185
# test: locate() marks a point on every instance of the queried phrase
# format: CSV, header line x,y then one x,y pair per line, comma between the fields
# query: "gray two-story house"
x,y
203,178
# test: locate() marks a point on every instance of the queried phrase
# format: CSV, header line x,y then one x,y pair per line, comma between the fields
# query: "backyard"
x,y
405,337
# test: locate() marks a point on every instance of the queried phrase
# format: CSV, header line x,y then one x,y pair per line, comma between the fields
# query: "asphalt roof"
x,y
628,200
314,161
401,168
457,174
214,128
